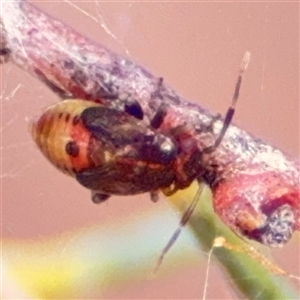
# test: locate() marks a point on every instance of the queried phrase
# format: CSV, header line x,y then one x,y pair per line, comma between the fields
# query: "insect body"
x,y
115,152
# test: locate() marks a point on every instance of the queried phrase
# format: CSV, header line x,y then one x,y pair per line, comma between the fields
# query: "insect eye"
x,y
72,148
160,149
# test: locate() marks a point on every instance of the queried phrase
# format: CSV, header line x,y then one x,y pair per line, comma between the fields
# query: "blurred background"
x,y
197,48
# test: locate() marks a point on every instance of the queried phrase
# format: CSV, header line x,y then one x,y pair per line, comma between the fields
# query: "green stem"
x,y
247,272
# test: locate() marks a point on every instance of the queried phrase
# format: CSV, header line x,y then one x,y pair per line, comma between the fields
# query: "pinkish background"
x,y
197,48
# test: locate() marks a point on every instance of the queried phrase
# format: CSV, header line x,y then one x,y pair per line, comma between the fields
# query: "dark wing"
x,y
90,177
108,124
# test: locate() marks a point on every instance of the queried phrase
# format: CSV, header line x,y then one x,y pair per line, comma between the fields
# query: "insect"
x,y
119,152
115,152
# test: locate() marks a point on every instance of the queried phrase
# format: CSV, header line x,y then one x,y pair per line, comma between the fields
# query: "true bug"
x,y
113,152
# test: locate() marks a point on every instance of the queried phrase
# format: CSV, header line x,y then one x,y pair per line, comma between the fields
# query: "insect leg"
x,y
184,219
231,109
170,190
159,116
133,108
154,196
98,197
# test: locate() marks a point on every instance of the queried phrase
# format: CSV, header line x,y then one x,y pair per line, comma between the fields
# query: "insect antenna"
x,y
231,109
228,118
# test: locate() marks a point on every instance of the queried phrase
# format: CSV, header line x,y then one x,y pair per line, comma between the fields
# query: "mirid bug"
x,y
114,151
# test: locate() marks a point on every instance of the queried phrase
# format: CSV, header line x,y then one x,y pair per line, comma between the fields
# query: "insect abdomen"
x,y
61,136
